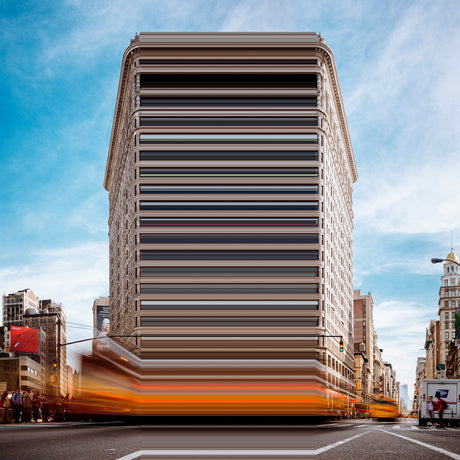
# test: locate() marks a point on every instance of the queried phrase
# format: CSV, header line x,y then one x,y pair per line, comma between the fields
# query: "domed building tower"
x,y
449,299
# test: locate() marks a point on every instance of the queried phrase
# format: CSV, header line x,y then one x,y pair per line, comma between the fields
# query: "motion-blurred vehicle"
x,y
117,384
383,408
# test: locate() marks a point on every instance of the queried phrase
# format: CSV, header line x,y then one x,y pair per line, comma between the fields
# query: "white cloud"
x,y
401,329
405,114
73,276
259,16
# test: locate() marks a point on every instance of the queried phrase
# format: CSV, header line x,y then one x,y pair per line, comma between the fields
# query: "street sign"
x,y
457,342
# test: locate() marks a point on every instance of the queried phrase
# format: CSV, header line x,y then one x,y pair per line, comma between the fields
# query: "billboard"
x,y
102,326
24,339
102,320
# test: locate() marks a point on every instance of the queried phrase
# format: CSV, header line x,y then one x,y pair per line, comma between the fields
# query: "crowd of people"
x,y
31,407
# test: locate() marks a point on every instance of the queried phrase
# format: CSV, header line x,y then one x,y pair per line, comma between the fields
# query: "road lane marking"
x,y
216,453
397,427
237,453
428,446
336,444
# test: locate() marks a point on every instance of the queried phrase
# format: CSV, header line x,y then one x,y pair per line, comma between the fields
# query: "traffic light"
x,y
341,345
54,363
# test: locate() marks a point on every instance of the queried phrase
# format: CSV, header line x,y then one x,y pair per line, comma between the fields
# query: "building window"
x,y
251,102
228,222
192,272
231,205
229,305
222,80
146,189
228,121
306,288
447,335
157,238
239,155
310,138
229,255
228,172
446,314
235,322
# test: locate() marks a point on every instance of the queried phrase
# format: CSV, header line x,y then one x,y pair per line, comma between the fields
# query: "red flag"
x,y
24,339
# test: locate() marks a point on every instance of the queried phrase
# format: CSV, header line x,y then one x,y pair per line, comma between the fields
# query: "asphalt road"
x,y
349,439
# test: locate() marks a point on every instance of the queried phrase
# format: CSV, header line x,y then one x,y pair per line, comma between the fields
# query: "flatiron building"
x,y
230,173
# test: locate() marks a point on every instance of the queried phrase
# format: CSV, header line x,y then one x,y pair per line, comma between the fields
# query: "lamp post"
x,y
437,261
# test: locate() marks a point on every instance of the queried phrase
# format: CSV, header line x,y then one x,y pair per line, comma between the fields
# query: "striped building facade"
x,y
230,174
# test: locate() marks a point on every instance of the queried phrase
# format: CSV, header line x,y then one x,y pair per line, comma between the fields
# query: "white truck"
x,y
449,391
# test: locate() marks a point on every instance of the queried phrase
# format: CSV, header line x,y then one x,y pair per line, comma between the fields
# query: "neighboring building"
x,y
51,318
230,174
404,397
361,374
432,347
69,382
363,307
21,372
453,362
449,299
76,385
419,376
15,306
391,386
378,368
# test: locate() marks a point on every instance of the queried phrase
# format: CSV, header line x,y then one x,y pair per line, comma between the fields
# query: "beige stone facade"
x,y
16,304
432,347
230,174
449,300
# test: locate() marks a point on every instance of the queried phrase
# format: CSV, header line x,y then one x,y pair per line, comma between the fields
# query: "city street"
x,y
346,439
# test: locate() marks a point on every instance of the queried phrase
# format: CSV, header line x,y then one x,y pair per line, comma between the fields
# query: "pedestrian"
x,y
16,401
441,406
6,406
59,409
36,402
26,406
430,407
45,408
66,407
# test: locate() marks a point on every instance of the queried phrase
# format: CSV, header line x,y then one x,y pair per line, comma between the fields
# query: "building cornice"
x,y
209,40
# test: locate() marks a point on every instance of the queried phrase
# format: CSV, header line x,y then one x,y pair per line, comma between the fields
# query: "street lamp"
x,y
437,261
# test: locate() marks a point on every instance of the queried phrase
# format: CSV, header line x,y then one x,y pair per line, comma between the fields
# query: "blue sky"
x,y
398,68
